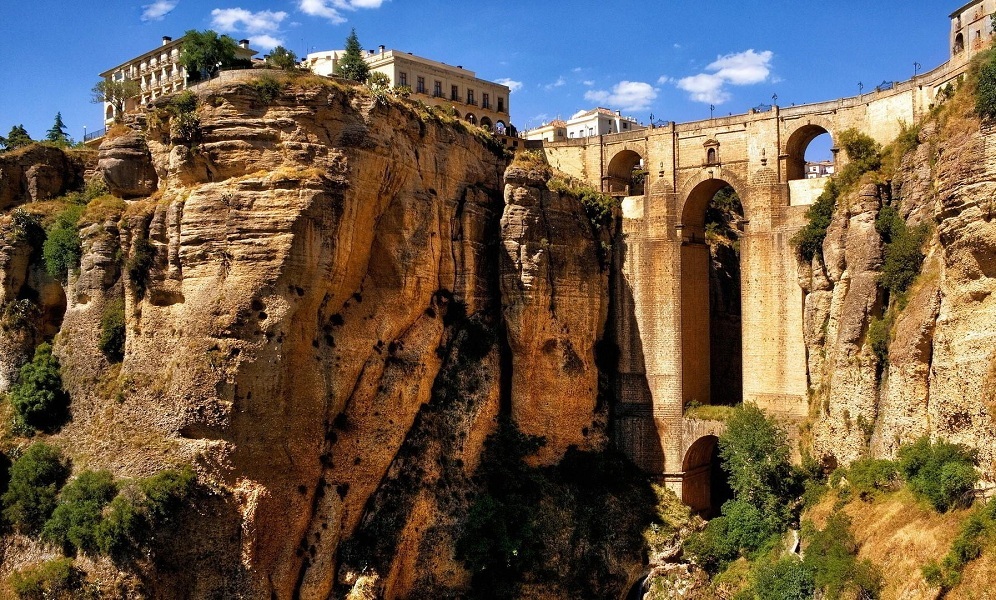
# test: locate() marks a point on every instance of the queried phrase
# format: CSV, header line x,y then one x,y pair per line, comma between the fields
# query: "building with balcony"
x,y
477,101
819,169
158,72
971,29
600,121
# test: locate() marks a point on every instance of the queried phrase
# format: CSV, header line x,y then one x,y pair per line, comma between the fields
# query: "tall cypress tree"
x,y
351,65
17,137
57,133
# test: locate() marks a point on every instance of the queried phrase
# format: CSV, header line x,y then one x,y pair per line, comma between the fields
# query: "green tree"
x,y
352,65
282,58
985,95
115,93
942,473
35,480
112,330
57,133
73,524
16,138
204,53
63,248
38,397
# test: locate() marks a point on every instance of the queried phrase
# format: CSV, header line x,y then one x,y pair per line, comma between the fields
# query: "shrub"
x,y
985,95
266,89
124,530
74,521
831,556
379,81
35,480
980,526
941,473
786,579
38,398
139,264
166,493
112,330
903,257
879,336
62,248
56,579
870,476
755,453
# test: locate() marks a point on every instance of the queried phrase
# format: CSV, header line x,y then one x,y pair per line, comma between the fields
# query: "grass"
x,y
709,412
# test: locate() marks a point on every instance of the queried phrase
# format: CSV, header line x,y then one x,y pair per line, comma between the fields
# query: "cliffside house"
x,y
477,101
158,72
971,29
600,121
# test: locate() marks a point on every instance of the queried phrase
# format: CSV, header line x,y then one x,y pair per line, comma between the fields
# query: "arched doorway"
x,y
471,118
486,123
500,128
625,175
959,44
809,152
704,485
711,330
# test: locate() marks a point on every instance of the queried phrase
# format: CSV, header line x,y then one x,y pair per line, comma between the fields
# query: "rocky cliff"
x,y
936,376
329,296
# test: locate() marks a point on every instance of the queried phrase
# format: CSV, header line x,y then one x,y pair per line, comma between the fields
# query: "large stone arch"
x,y
701,361
796,142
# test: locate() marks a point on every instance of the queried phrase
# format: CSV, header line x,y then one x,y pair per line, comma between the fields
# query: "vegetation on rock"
x,y
39,400
35,480
73,524
55,579
63,248
351,65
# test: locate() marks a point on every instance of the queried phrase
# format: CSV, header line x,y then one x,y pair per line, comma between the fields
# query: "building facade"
x,y
554,131
477,101
971,29
820,169
158,73
600,121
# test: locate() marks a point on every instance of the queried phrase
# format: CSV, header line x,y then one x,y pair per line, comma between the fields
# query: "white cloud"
x,y
588,82
240,19
556,84
331,9
741,68
513,86
158,9
265,41
625,95
664,80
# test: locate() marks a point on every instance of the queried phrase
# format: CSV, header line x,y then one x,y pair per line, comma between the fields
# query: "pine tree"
x,y
17,137
351,65
57,133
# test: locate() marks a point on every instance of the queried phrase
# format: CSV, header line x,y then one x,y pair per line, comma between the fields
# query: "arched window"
x,y
711,156
471,119
110,113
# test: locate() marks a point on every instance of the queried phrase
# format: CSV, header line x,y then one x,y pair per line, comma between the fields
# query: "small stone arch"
x,y
704,485
693,199
456,113
619,176
471,118
959,44
795,147
501,128
486,123
109,113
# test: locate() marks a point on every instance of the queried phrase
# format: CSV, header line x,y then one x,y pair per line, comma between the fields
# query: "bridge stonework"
x,y
661,299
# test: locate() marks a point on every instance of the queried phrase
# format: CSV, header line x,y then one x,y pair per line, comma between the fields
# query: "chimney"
x,y
382,48
166,39
244,44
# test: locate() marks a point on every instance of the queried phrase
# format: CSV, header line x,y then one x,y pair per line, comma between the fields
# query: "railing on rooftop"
x,y
99,133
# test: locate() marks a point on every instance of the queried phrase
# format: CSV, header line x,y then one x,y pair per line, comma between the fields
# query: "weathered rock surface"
x,y
37,173
126,166
555,300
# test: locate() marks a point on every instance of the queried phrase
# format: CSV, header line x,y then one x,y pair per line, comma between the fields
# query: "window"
x,y
485,100
402,78
470,96
625,125
711,156
501,104
454,93
420,85
437,89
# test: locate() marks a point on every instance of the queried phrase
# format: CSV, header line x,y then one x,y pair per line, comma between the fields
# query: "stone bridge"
x,y
662,300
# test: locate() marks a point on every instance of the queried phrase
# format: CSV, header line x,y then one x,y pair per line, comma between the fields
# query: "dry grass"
x,y
899,535
709,412
117,130
102,209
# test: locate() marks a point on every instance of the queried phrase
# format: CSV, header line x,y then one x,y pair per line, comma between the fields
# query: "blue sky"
x,y
672,58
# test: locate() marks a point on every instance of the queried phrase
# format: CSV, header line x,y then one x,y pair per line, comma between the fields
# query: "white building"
x,y
554,131
600,121
817,170
971,28
158,72
478,101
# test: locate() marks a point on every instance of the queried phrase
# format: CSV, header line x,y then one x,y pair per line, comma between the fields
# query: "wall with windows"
x,y
971,29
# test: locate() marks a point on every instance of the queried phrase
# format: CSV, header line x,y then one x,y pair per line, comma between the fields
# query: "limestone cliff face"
x,y
555,305
318,327
939,377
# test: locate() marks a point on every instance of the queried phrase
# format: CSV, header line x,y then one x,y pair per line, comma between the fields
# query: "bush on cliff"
x,y
35,480
985,95
942,473
112,330
38,398
55,579
74,521
63,248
